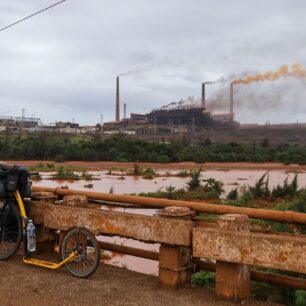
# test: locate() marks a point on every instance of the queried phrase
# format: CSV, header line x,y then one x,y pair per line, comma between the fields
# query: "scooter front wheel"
x,y
85,245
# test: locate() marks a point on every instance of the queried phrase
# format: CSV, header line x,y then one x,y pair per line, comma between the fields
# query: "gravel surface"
x,y
26,285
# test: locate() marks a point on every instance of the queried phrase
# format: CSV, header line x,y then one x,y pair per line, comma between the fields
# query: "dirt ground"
x,y
26,285
173,166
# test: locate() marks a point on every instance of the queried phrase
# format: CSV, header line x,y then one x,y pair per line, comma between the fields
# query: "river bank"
x,y
106,165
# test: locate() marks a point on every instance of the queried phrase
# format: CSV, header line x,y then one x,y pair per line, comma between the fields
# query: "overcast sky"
x,y
62,64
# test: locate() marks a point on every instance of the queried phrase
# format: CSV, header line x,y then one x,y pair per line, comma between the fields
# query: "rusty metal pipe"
x,y
129,251
264,214
273,278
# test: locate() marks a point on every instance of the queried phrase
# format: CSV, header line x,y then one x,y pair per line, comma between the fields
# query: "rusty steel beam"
x,y
277,216
139,227
283,252
129,251
273,278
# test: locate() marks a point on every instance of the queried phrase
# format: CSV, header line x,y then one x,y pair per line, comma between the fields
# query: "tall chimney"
x,y
232,101
124,112
203,95
203,104
117,101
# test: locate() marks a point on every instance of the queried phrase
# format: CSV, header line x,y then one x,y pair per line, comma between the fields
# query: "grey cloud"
x,y
63,63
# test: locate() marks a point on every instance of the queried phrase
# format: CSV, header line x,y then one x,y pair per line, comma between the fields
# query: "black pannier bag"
x,y
3,192
24,183
17,178
12,178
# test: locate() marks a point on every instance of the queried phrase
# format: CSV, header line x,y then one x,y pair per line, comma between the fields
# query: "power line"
x,y
23,19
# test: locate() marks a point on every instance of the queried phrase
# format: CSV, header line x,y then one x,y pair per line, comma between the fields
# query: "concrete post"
x,y
45,237
175,261
233,281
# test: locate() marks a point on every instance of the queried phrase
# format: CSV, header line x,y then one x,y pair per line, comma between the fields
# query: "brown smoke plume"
x,y
296,70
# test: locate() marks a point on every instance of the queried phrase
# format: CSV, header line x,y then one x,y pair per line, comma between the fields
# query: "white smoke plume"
x,y
152,66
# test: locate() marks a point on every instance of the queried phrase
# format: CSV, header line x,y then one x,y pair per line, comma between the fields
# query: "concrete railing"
x,y
231,245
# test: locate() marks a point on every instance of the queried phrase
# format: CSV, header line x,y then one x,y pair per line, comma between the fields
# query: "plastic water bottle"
x,y
31,236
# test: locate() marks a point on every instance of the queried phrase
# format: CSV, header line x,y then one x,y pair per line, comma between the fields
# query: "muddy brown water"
x,y
125,184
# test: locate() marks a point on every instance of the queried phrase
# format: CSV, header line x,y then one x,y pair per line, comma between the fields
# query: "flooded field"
x,y
126,184
121,183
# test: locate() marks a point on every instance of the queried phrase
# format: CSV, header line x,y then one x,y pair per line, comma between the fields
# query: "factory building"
x,y
181,116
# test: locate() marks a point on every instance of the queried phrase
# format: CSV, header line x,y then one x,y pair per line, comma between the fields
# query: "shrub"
x,y
137,170
203,278
195,182
213,186
149,173
261,189
233,195
300,297
286,189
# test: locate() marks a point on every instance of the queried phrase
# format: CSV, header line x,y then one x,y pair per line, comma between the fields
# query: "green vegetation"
x,y
194,190
183,173
137,170
122,149
148,173
204,279
250,196
51,167
260,291
66,174
195,181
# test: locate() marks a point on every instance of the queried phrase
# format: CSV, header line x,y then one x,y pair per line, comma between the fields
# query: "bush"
x,y
204,279
261,189
213,186
300,297
195,182
149,173
137,170
286,189
233,195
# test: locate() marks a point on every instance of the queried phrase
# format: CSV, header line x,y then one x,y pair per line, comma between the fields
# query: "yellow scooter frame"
x,y
36,262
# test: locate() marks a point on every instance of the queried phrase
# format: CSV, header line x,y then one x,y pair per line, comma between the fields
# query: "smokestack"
x,y
117,101
203,104
232,101
203,95
124,113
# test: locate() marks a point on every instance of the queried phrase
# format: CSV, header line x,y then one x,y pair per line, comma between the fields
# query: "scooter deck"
x,y
48,264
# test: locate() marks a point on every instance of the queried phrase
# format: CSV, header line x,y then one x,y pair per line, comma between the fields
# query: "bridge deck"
x,y
27,285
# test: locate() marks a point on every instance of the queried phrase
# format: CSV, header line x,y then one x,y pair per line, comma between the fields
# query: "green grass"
x,y
51,167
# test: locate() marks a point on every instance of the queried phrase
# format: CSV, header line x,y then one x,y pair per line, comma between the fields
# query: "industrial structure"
x,y
117,100
19,122
191,116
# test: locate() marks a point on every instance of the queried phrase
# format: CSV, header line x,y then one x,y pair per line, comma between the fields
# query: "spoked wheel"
x,y
10,229
85,244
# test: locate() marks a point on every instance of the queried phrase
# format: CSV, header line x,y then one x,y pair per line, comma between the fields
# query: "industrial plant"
x,y
174,117
177,120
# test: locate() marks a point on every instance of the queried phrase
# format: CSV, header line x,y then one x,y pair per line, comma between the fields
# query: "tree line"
x,y
122,149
